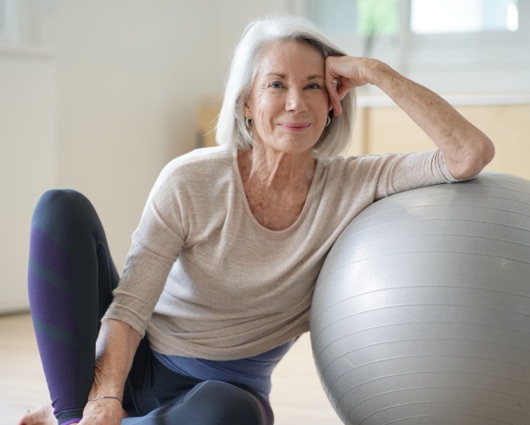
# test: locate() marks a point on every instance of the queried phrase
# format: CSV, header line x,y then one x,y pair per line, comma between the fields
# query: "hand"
x,y
102,412
344,73
466,149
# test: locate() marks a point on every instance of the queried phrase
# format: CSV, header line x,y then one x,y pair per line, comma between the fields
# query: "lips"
x,y
295,126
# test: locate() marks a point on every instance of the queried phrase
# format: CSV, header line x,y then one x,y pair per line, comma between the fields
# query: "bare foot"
x,y
40,416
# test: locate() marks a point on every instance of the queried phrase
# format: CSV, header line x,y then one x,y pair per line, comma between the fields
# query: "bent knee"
x,y
62,207
61,199
224,403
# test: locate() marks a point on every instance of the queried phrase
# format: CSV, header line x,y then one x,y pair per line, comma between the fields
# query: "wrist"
x,y
105,397
380,73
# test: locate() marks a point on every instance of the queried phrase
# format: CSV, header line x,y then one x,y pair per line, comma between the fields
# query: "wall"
x,y
115,103
27,159
130,76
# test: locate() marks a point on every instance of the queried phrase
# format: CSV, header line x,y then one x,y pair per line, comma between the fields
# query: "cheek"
x,y
266,107
321,109
325,102
266,102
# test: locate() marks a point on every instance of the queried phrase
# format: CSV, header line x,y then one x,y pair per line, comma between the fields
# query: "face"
x,y
289,101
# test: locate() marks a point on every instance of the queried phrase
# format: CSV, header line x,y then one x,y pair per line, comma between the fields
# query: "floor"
x,y
297,396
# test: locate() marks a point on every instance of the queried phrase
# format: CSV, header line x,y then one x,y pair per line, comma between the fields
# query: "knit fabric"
x,y
206,280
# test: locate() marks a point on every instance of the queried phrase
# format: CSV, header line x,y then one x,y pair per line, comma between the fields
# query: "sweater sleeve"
x,y
155,246
401,172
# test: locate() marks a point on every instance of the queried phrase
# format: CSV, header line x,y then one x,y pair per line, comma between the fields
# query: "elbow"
x,y
485,154
489,151
474,158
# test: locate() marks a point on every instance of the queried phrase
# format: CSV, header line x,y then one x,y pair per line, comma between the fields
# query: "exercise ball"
x,y
421,312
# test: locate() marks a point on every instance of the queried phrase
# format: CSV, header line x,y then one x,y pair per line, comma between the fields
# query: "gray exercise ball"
x,y
421,313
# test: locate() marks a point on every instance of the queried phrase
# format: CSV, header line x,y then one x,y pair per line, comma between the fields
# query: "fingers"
x,y
341,77
333,85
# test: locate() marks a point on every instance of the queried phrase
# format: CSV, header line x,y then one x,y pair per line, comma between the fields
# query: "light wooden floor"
x,y
297,396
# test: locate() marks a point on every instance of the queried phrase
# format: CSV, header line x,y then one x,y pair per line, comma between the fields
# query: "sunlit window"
x,y
457,16
378,17
368,18
355,17
451,45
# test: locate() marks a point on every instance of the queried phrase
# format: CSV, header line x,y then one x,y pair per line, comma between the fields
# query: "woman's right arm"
x,y
116,345
155,247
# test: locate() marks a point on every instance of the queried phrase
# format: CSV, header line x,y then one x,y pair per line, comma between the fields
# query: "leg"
x,y
70,281
210,403
156,395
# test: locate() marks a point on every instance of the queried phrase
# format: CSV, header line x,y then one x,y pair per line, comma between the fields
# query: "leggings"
x,y
70,281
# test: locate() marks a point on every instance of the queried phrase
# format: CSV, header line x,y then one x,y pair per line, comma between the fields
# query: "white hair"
x,y
231,127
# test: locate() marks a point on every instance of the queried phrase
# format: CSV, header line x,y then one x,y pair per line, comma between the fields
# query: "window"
x,y
8,22
355,17
449,45
20,22
456,16
382,17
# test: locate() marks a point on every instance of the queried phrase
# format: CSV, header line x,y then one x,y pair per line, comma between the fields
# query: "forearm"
x,y
115,349
116,345
465,148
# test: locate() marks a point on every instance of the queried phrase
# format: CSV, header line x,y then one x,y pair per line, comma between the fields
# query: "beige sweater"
x,y
206,280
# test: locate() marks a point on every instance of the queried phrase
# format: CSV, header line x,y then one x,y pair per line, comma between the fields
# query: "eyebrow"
x,y
280,75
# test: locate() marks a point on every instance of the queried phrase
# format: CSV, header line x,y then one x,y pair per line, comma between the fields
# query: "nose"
x,y
295,100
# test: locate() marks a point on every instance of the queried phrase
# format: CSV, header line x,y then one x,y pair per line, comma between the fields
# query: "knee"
x,y
227,404
61,199
61,206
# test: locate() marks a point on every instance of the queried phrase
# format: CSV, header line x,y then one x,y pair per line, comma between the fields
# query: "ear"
x,y
246,109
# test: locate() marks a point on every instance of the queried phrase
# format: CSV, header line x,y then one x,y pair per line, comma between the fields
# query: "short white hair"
x,y
259,34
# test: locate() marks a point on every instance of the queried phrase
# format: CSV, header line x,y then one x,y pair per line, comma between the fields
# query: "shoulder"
x,y
198,166
197,171
192,183
200,161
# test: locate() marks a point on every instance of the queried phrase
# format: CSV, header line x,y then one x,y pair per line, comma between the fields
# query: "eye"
x,y
314,86
275,85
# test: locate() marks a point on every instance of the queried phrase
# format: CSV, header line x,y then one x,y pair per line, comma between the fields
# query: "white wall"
x,y
130,77
27,160
126,84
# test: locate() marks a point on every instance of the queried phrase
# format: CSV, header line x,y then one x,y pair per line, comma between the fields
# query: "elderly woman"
x,y
218,281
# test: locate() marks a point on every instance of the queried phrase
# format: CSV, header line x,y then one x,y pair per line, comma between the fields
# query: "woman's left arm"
x,y
465,148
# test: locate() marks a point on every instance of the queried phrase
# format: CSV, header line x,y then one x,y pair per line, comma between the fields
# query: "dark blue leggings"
x,y
70,281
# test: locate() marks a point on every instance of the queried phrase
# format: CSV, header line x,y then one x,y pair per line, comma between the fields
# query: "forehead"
x,y
285,57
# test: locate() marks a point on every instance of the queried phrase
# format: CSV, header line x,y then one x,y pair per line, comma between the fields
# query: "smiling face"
x,y
289,102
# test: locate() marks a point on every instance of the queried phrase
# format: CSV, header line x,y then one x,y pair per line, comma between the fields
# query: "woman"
x,y
222,266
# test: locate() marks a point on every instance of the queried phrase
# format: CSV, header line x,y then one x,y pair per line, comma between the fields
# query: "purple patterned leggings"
x,y
70,281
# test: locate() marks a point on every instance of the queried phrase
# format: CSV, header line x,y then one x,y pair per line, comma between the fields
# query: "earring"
x,y
328,121
249,122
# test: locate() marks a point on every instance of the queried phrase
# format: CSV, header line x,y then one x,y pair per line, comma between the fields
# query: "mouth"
x,y
295,126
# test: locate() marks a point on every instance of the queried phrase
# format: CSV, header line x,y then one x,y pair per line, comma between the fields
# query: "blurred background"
x,y
98,95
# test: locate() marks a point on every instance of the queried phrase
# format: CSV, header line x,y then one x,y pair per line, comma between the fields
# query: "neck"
x,y
276,171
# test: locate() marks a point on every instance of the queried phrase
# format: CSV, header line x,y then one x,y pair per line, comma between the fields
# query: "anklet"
x,y
101,397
